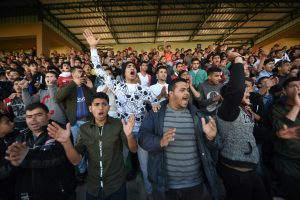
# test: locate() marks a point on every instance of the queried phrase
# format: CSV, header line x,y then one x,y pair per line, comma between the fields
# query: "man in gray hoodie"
x,y
46,97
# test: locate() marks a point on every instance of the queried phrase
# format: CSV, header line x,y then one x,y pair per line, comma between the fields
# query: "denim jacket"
x,y
151,132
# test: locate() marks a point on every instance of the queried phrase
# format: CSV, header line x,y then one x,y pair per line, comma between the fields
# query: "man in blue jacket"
x,y
182,150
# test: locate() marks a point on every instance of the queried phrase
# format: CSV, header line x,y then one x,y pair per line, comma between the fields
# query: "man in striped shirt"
x,y
181,146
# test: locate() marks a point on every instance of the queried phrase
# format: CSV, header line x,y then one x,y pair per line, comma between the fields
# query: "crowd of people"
x,y
218,123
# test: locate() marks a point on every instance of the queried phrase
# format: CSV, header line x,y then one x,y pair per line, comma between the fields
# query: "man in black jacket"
x,y
45,172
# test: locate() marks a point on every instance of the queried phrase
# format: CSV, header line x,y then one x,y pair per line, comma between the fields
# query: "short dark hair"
x,y
213,70
260,80
33,63
87,64
195,59
179,63
109,69
99,95
215,54
181,72
287,81
280,63
144,62
77,59
248,79
66,62
160,67
51,67
74,68
268,61
33,106
52,72
172,85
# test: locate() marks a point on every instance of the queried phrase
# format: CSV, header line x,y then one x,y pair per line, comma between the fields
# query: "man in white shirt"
x,y
160,89
145,78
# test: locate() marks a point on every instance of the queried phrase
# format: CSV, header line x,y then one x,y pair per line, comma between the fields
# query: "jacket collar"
x,y
108,121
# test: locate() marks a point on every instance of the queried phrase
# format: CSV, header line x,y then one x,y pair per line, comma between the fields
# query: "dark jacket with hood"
x,y
151,133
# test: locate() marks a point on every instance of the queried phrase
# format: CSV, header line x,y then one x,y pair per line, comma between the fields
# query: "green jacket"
x,y
112,139
198,78
67,95
287,151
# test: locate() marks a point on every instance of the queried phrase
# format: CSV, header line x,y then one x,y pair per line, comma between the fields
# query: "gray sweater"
x,y
239,148
46,97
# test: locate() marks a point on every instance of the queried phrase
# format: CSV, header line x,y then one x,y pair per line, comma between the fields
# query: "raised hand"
x,y
209,128
16,153
289,133
234,56
58,133
23,84
263,54
72,53
90,38
296,97
128,127
89,83
168,136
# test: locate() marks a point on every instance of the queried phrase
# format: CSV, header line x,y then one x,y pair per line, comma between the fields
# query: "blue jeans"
x,y
143,160
120,194
82,166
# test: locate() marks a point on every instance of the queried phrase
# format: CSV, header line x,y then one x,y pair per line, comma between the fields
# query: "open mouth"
x,y
101,114
132,73
185,98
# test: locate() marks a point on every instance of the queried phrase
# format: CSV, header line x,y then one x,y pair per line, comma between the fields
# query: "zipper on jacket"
x,y
62,190
101,155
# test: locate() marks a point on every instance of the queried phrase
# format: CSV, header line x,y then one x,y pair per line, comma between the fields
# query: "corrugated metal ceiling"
x,y
132,21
